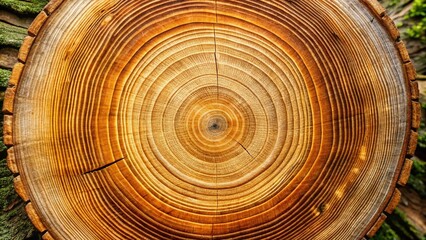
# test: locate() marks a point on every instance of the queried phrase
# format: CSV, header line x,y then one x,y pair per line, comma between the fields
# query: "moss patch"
x,y
14,222
398,221
17,225
397,227
386,233
11,36
418,177
4,77
418,15
23,8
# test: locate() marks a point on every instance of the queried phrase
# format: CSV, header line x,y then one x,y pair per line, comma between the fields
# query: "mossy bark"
x,y
4,78
14,223
23,7
401,225
410,17
11,36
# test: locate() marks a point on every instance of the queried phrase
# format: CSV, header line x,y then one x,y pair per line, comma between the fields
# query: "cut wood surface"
x,y
211,119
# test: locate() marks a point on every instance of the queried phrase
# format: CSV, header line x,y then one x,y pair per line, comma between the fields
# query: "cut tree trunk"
x,y
211,119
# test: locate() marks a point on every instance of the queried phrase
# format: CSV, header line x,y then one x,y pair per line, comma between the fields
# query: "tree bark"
x,y
15,18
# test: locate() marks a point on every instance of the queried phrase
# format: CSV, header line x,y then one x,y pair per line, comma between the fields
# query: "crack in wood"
x,y
103,167
215,52
245,149
217,96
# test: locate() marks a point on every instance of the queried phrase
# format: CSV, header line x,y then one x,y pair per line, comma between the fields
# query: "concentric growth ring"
x,y
211,119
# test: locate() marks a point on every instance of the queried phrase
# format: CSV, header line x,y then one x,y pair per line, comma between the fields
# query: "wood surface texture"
x,y
221,119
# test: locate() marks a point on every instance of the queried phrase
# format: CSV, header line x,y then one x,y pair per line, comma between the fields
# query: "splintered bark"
x,y
211,119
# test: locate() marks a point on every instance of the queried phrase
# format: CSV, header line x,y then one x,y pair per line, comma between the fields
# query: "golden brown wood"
x,y
415,93
52,6
375,7
25,48
37,24
20,189
412,144
390,26
417,115
396,197
405,173
403,51
11,161
9,96
7,130
410,71
377,225
212,119
16,74
47,236
33,216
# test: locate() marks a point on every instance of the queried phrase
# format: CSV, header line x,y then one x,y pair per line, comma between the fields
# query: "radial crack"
x,y
245,149
215,52
103,167
217,95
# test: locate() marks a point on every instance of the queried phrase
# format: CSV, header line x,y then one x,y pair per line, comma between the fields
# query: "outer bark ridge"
x,y
387,207
380,14
8,114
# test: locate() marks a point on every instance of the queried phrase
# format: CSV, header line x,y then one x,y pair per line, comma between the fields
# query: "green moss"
x,y
7,193
389,3
16,224
403,228
386,233
4,77
417,15
417,178
4,172
418,10
3,148
421,143
28,7
11,36
418,31
397,227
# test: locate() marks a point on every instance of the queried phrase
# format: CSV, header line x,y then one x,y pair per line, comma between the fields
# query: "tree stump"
x,y
211,119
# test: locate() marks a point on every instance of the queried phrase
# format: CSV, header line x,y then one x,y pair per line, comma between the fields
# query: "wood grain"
x,y
16,74
11,161
405,173
25,48
212,119
393,203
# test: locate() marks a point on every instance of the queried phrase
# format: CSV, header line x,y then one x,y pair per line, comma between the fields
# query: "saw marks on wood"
x,y
211,119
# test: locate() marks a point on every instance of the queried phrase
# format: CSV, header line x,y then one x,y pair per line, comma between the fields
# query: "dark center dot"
x,y
217,125
214,126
